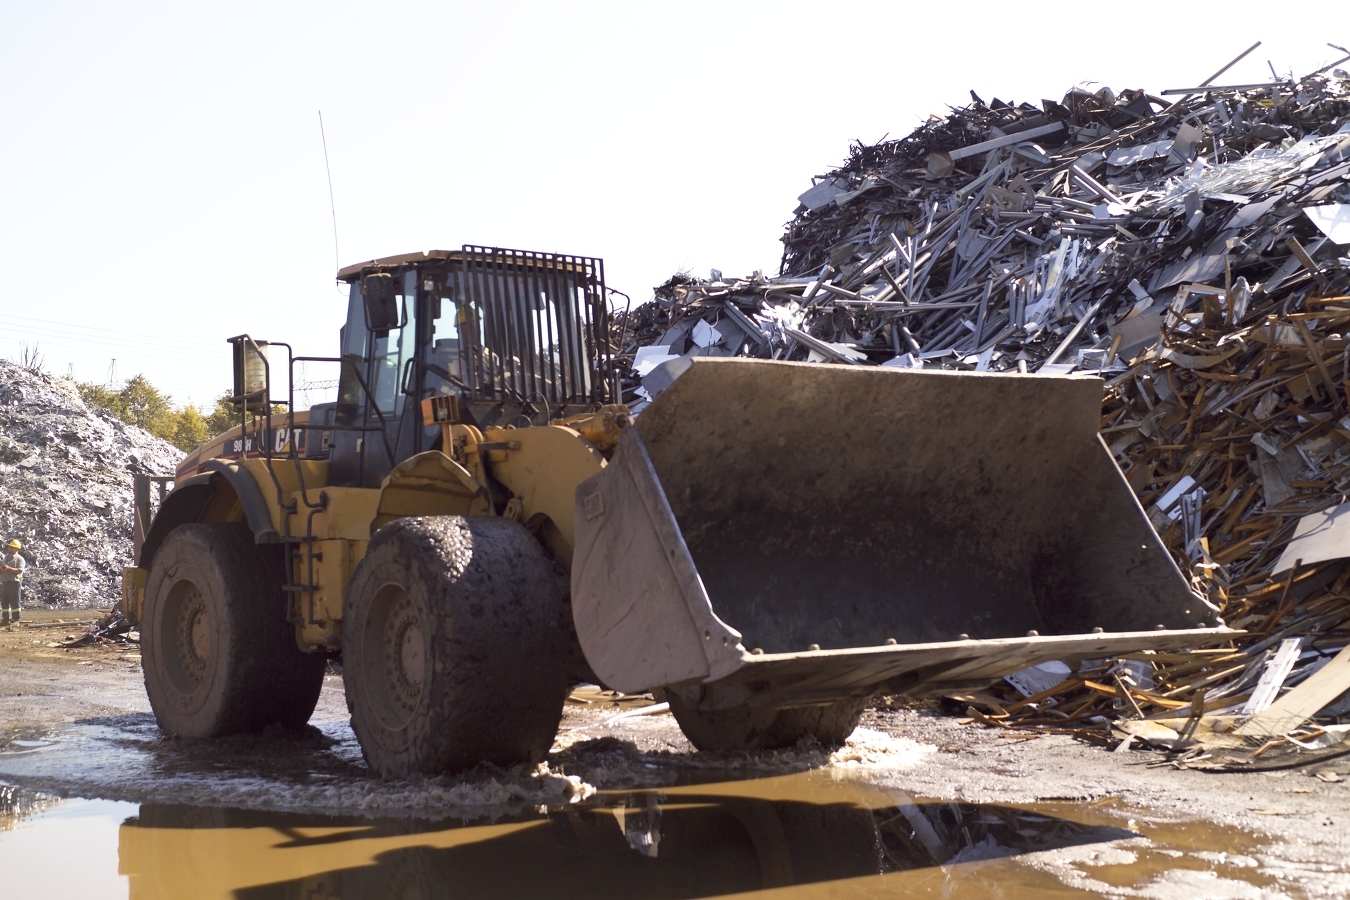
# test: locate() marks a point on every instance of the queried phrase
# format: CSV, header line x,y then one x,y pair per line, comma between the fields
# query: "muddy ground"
x,y
77,723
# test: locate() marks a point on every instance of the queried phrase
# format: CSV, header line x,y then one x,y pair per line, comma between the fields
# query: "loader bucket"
x,y
794,532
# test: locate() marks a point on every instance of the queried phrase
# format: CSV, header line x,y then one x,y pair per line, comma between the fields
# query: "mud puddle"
x,y
806,834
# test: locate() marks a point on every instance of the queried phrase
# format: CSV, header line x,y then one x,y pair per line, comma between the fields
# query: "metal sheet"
x,y
1333,219
1319,537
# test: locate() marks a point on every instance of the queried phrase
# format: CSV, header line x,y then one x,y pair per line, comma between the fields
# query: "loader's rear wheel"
x,y
743,728
218,655
455,646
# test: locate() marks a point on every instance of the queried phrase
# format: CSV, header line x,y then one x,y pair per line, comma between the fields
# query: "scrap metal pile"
x,y
1040,238
1193,252
1236,437
64,487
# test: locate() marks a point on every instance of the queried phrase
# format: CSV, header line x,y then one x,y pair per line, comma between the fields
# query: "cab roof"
x,y
356,270
502,257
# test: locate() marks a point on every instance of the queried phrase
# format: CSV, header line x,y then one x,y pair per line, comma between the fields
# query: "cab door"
x,y
380,383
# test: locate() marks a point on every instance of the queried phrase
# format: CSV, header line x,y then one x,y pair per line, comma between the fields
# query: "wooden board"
x,y
1304,701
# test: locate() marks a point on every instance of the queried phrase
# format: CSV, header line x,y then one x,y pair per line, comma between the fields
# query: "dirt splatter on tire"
x,y
218,655
455,640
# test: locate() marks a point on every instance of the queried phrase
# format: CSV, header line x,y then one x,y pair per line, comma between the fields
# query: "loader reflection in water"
x,y
690,841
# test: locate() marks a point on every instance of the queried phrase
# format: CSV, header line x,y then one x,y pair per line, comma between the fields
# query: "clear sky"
x,y
162,179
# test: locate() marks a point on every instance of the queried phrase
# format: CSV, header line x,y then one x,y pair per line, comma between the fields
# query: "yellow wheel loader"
x,y
477,522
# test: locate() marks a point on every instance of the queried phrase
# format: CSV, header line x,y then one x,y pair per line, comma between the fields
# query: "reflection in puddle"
x,y
801,831
17,804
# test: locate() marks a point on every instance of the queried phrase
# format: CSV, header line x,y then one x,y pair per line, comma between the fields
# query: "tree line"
x,y
140,403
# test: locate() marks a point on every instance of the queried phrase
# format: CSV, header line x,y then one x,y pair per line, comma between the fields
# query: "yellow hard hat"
x,y
14,544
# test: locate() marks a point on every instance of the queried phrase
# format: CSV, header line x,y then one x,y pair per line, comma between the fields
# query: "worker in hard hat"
x,y
11,581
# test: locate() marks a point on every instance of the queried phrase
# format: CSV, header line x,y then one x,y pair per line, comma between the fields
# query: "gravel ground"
x,y
77,723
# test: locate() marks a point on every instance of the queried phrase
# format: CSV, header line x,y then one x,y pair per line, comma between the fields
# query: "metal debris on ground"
x,y
594,695
59,623
111,629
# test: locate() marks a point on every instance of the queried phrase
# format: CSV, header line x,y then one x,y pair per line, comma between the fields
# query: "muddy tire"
x,y
749,728
218,655
454,646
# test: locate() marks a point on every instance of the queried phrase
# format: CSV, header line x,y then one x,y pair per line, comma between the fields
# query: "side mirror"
x,y
383,310
250,372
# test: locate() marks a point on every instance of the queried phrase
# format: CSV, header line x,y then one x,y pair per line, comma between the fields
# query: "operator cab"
x,y
519,337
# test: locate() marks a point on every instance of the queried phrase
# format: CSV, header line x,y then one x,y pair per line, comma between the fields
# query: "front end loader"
x,y
477,522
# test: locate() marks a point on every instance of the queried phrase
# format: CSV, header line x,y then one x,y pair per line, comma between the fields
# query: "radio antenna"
x,y
332,205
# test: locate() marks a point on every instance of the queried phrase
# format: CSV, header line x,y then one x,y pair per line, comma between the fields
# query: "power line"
x,y
154,348
72,331
32,328
97,329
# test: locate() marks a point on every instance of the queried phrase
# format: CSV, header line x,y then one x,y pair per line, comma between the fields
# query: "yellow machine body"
x,y
328,528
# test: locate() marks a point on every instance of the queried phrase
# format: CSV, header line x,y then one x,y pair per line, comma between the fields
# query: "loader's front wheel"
x,y
744,728
454,646
217,652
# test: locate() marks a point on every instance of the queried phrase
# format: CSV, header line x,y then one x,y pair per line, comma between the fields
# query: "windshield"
x,y
521,334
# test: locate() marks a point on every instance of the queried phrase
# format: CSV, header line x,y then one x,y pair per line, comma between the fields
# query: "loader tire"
x,y
455,646
744,728
217,652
